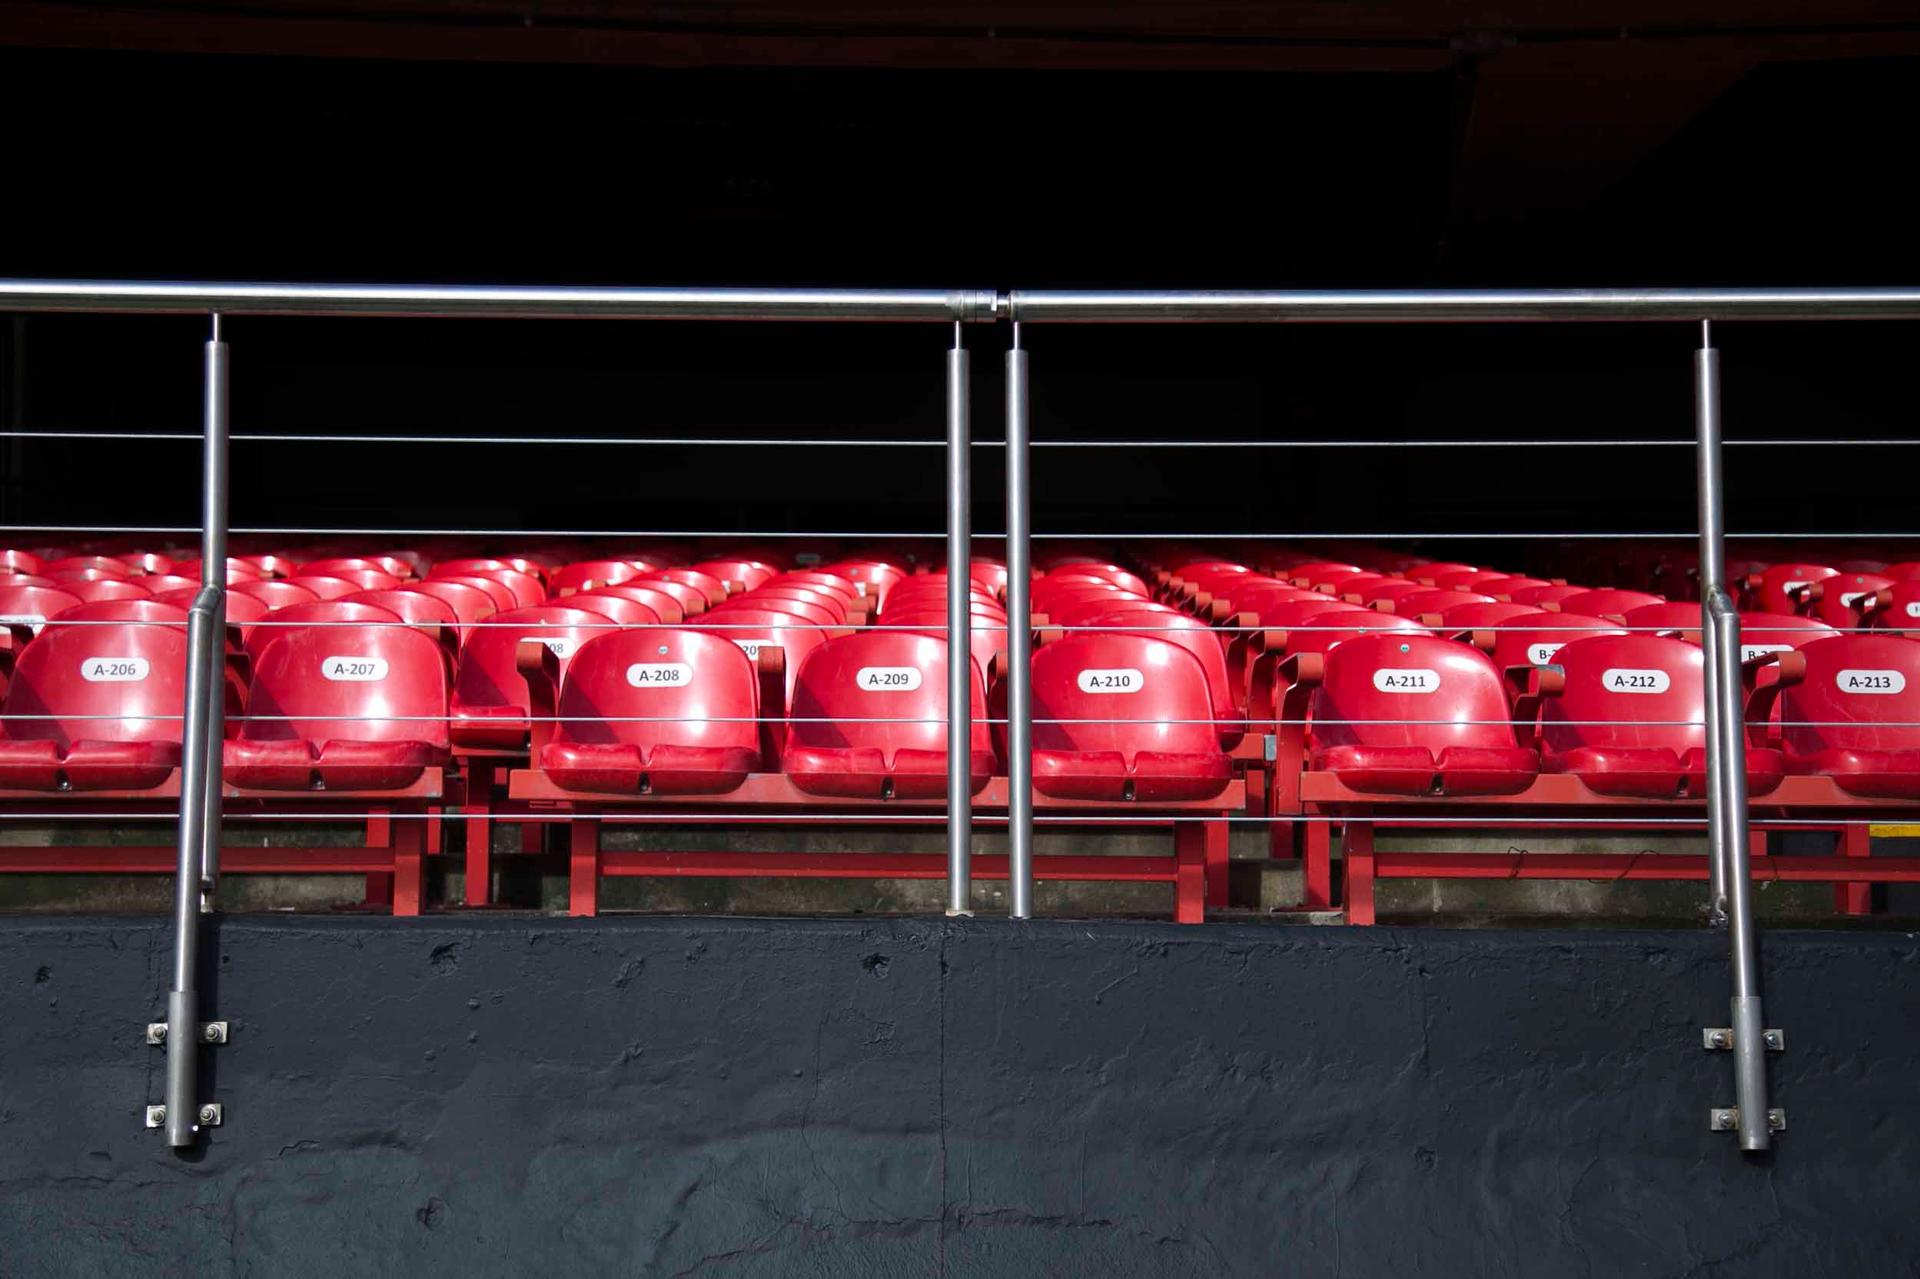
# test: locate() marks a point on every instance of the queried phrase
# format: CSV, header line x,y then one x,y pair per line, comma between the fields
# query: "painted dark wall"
x,y
854,1098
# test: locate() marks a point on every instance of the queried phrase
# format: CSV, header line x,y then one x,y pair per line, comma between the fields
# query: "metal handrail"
x,y
1720,626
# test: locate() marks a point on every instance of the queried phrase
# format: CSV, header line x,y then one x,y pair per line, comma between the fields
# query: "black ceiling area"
x,y
1125,148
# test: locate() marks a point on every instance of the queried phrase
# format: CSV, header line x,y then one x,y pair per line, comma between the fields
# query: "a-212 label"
x,y
354,670
1121,680
659,675
1407,680
1882,682
114,670
887,679
1621,680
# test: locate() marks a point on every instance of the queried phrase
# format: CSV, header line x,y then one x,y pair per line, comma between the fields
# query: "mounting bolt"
x,y
1723,1119
1776,1120
156,1032
1775,1040
213,1032
156,1116
1717,1038
210,1114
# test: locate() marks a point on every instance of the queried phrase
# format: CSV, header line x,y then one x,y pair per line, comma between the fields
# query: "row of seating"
x,y
1312,685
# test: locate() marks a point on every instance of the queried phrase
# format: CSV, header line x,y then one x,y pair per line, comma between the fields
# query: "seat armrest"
x,y
540,667
771,671
1764,676
1530,687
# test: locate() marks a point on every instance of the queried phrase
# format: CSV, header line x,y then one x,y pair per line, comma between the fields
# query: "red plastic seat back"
x,y
1324,631
664,606
751,629
1418,604
1465,617
822,603
749,573
1410,690
99,565
350,684
1774,589
94,590
1113,573
1606,602
33,605
672,686
883,691
124,683
1124,694
585,574
1533,640
329,614
1858,693
1197,638
1628,692
1838,598
1539,596
274,594
469,603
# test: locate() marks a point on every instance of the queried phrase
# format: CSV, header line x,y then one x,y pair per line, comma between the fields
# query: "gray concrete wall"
x,y
483,1096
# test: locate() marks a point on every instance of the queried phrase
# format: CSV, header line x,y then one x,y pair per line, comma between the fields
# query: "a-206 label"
x,y
114,670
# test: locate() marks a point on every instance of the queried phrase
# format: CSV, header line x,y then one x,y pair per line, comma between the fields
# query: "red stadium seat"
x,y
1433,603
1390,588
692,600
664,606
429,614
274,594
1469,579
869,719
237,570
820,611
503,598
328,588
490,697
97,565
362,579
748,573
33,605
1541,596
1124,718
94,708
469,603
1836,600
1324,631
12,561
818,603
1462,618
1848,709
873,578
1503,588
1606,602
350,708
1534,639
586,574
355,568
1776,589
1113,573
485,567
1409,715
668,712
752,629
95,590
1197,638
327,614
1626,715
147,563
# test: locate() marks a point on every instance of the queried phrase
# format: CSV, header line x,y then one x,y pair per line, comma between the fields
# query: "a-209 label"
x,y
114,670
1882,682
1406,680
887,679
1622,680
659,675
1120,680
354,670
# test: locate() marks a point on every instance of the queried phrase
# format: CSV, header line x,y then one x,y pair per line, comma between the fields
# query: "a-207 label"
x,y
354,670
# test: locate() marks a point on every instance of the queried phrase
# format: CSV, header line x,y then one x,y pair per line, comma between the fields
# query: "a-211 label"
x,y
1120,680
659,675
1621,680
887,679
1883,682
354,670
114,670
1406,680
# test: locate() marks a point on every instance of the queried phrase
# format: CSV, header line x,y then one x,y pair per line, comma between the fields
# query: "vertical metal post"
x,y
1727,747
1019,643
1713,560
959,635
200,764
213,572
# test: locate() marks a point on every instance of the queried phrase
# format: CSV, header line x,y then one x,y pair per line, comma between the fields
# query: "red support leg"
x,y
583,836
379,835
409,866
1358,852
1854,899
479,832
1189,874
1213,849
1316,868
532,838
435,845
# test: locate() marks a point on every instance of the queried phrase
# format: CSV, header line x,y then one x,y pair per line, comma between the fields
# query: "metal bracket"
x,y
212,1115
1720,1039
1727,1119
211,1032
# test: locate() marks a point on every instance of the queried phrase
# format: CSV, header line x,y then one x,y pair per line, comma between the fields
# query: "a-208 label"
x,y
887,679
1119,680
354,670
1619,679
1406,680
114,670
659,675
1883,682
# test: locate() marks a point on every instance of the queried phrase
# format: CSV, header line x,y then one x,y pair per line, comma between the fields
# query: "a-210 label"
x,y
887,679
1407,680
659,675
1883,682
114,670
354,670
1120,680
1621,680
